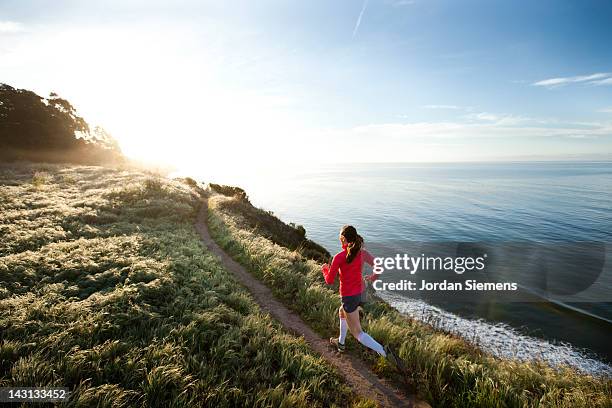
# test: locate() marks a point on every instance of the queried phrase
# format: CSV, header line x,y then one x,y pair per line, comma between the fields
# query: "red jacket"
x,y
351,281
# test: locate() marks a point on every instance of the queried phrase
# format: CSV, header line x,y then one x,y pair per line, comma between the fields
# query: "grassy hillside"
x,y
265,224
445,370
106,289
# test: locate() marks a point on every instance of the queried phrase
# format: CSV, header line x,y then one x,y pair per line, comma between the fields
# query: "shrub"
x,y
40,177
230,191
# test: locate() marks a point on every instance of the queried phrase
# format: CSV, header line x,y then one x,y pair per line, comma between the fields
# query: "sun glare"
x,y
165,105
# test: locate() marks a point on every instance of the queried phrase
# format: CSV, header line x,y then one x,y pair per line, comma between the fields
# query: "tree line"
x,y
49,129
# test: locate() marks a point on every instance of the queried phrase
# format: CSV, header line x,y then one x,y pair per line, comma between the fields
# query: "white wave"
x,y
498,339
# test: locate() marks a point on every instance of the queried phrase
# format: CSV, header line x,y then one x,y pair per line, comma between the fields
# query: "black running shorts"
x,y
350,303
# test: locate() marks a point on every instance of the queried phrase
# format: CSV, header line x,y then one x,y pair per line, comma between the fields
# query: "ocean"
x,y
534,203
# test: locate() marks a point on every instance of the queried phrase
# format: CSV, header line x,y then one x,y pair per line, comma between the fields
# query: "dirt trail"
x,y
359,377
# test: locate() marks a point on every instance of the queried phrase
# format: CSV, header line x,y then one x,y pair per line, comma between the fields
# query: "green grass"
x,y
445,370
106,289
266,224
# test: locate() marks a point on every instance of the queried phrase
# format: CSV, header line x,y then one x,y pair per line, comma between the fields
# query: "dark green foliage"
x,y
190,182
230,191
39,129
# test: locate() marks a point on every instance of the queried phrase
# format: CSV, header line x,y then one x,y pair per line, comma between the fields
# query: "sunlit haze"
x,y
240,84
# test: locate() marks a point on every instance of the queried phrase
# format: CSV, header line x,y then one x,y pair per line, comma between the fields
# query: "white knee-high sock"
x,y
343,331
365,339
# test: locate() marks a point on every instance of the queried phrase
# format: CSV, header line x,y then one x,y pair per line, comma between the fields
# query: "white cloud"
x,y
10,27
600,78
499,119
605,110
606,81
476,130
504,119
442,107
582,136
454,140
488,117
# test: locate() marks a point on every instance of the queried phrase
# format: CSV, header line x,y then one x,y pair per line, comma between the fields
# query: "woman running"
x,y
349,263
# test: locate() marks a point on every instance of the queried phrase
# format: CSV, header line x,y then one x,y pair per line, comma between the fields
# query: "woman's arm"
x,y
330,272
369,259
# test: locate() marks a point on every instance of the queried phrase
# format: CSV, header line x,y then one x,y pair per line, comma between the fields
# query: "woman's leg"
x,y
364,338
343,325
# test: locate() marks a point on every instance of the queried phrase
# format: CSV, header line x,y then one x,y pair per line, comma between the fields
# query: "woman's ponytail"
x,y
353,242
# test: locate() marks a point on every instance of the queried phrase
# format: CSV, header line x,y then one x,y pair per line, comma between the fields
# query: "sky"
x,y
247,83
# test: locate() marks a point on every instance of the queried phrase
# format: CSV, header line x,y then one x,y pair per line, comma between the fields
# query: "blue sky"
x,y
273,81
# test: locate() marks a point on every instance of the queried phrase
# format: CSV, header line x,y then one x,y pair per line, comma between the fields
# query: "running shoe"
x,y
339,346
394,359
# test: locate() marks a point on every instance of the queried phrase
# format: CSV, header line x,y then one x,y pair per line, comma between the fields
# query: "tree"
x,y
49,129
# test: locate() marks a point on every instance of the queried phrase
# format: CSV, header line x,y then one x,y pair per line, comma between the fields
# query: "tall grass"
x,y
445,370
265,224
106,289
